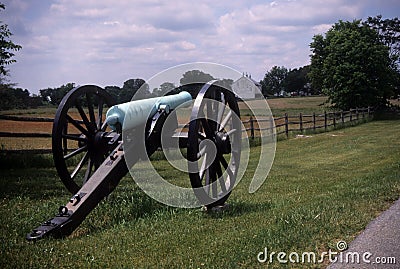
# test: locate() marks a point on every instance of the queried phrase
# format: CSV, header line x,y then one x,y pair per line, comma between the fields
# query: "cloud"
x,y
105,42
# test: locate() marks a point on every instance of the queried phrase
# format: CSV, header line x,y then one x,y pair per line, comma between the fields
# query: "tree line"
x,y
281,81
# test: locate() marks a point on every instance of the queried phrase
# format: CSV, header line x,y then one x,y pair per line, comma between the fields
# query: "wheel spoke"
x,y
64,140
210,181
77,125
231,132
201,152
75,152
211,113
103,126
81,163
221,111
75,137
223,161
220,176
88,171
203,167
213,182
222,184
84,118
90,108
225,120
100,114
207,128
207,182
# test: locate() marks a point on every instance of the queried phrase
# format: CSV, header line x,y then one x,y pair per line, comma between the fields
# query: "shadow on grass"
x,y
25,160
32,183
238,208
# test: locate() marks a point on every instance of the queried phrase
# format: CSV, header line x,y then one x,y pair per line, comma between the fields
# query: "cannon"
x,y
89,148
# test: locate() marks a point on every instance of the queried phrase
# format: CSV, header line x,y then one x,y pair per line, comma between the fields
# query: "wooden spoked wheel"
x,y
80,136
214,144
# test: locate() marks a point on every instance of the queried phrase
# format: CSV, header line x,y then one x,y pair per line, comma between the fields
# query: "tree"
x,y
16,98
55,95
165,89
389,35
351,66
273,82
192,81
7,47
113,91
297,80
130,88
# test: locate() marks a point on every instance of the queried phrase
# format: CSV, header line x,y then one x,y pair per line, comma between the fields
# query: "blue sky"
x,y
107,42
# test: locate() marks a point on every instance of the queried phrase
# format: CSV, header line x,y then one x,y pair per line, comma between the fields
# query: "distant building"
x,y
246,88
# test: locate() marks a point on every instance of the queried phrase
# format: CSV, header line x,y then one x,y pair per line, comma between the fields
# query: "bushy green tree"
x,y
113,91
7,47
130,89
273,82
352,66
17,98
192,81
165,89
297,80
389,34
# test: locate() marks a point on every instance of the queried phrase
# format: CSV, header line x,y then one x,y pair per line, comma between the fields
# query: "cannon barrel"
x,y
135,113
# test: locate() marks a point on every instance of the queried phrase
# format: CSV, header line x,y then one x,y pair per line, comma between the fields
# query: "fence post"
x,y
271,124
363,113
334,119
342,116
351,115
251,128
286,125
313,119
301,121
325,120
356,113
369,111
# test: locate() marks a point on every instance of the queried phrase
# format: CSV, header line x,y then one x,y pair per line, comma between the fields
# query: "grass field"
x,y
321,189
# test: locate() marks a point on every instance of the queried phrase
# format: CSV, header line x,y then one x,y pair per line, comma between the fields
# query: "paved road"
x,y
381,238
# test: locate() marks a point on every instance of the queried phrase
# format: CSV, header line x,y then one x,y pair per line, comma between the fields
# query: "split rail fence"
x,y
284,125
305,122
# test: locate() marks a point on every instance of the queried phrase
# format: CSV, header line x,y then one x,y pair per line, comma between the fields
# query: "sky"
x,y
108,42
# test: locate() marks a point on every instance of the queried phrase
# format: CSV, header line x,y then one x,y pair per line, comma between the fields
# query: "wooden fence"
x,y
303,122
25,135
283,125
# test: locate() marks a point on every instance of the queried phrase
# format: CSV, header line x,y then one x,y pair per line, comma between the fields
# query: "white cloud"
x,y
321,28
107,42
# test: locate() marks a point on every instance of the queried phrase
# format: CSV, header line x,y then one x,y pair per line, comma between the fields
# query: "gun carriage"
x,y
98,145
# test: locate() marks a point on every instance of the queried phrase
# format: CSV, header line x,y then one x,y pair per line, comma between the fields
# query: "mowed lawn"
x,y
321,189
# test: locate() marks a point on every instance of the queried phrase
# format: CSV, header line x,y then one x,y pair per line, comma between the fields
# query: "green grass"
x,y
291,105
321,189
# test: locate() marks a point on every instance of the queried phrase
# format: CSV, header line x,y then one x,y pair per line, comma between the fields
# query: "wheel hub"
x,y
223,142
